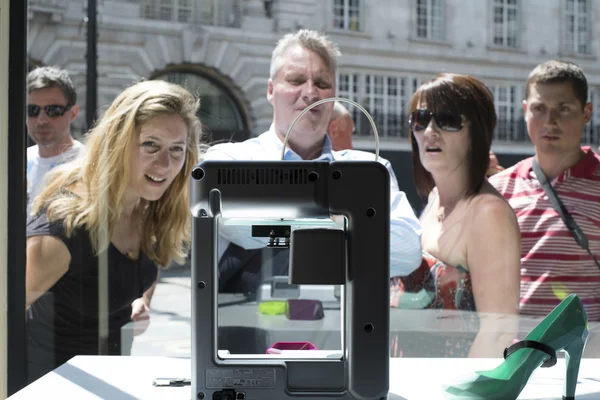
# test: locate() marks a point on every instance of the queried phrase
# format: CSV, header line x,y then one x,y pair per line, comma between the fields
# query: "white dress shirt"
x,y
405,229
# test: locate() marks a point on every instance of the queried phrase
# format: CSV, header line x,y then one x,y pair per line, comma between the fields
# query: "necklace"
x,y
440,214
131,254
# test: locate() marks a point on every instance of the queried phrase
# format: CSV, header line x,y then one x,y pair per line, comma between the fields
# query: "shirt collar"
x,y
275,143
583,169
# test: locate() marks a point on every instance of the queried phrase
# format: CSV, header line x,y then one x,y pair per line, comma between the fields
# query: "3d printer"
x,y
274,194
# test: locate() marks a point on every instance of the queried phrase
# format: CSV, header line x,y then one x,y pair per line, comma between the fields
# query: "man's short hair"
x,y
308,39
558,71
50,77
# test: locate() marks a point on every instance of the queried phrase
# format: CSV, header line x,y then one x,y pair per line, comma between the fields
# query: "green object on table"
x,y
565,328
277,307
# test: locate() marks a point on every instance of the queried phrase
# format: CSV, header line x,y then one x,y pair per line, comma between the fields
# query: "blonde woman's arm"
x,y
493,259
140,309
47,261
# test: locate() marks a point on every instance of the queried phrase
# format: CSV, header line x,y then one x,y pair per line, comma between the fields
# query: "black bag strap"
x,y
575,230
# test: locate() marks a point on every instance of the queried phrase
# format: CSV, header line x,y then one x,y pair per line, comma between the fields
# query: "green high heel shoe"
x,y
565,328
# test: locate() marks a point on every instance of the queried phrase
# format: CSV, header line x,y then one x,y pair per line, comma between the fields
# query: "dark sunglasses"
x,y
446,121
52,110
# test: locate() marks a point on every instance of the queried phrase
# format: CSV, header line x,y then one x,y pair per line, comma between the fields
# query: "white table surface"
x,y
127,378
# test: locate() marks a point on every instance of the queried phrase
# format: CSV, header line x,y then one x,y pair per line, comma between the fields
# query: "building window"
x,y
506,23
346,15
168,10
510,125
219,112
578,27
347,87
386,98
591,133
430,20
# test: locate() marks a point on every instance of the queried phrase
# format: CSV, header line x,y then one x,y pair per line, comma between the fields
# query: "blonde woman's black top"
x,y
63,322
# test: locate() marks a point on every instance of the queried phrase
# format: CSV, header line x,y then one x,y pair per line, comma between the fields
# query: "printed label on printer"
x,y
217,378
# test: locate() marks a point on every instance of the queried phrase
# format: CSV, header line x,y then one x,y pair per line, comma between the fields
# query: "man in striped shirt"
x,y
553,265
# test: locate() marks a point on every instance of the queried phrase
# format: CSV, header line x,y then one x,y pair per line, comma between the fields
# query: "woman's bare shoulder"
x,y
489,206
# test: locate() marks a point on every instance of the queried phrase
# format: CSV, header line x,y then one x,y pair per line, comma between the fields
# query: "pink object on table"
x,y
305,309
279,346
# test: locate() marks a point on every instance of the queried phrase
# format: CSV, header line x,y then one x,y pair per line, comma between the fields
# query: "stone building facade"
x,y
221,50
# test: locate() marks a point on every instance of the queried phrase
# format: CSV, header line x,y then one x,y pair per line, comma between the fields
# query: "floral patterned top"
x,y
447,287
434,285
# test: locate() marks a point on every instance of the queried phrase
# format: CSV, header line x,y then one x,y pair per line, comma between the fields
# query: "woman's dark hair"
x,y
469,97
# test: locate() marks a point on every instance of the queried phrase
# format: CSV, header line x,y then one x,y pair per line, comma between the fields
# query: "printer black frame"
x,y
359,190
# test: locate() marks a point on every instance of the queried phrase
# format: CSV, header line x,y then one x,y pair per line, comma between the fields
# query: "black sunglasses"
x,y
52,110
446,121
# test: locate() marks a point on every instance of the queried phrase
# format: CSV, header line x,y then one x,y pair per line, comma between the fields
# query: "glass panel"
x,y
165,10
502,94
416,329
570,6
506,103
498,15
436,19
583,35
392,120
343,85
512,28
392,85
348,88
379,85
338,14
354,19
184,15
261,313
422,18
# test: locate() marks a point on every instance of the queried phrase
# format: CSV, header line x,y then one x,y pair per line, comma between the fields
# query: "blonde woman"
x,y
126,198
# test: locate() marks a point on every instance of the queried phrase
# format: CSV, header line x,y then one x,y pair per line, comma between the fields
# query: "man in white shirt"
x,y
51,108
302,72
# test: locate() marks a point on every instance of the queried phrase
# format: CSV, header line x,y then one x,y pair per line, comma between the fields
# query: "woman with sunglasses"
x,y
470,240
104,223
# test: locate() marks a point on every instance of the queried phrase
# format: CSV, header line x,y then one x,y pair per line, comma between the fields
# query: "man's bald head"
x,y
340,127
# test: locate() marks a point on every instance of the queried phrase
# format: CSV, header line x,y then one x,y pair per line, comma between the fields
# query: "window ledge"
x,y
505,49
580,56
348,32
436,42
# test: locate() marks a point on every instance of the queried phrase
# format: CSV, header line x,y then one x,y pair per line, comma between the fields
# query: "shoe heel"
x,y
572,359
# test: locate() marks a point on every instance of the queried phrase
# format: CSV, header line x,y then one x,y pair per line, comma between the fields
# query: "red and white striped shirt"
x,y
553,265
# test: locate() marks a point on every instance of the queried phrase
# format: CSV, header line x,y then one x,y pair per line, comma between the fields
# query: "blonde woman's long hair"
x,y
103,171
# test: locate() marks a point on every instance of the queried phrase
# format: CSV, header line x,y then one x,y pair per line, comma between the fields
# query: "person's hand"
x,y
494,166
140,314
